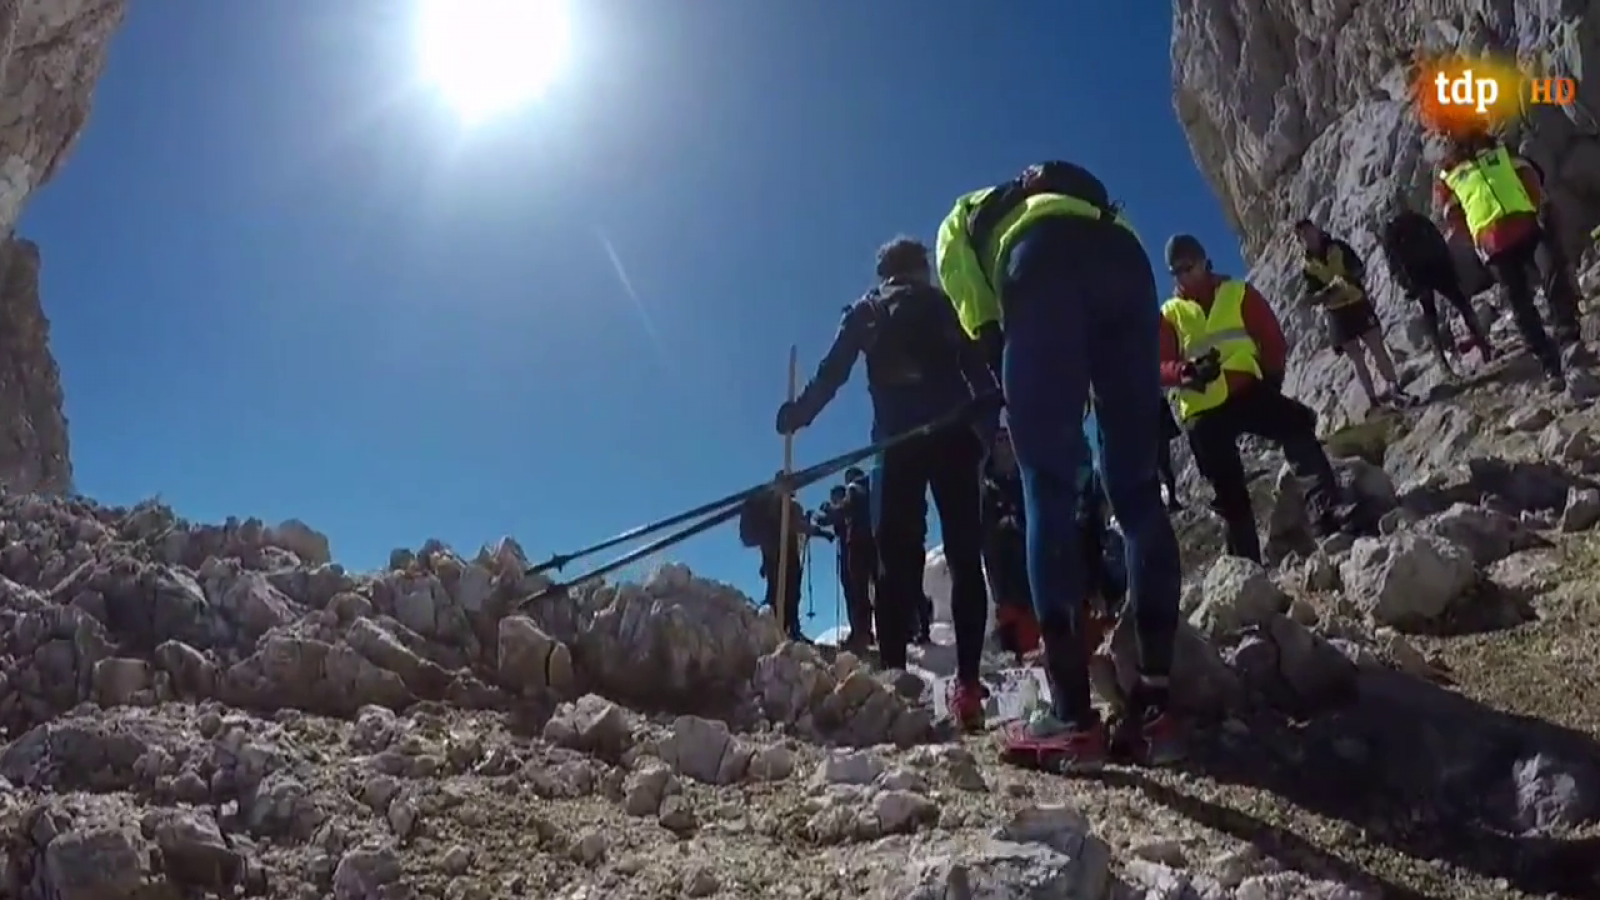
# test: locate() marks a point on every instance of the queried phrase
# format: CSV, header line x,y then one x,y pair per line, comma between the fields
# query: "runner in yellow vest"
x,y
1485,196
1049,276
1335,279
1223,356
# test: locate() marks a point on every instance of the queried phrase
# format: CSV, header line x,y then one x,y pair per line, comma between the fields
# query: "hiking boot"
x,y
1044,742
965,702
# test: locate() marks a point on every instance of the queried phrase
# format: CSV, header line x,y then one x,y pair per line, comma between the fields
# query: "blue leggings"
x,y
1080,312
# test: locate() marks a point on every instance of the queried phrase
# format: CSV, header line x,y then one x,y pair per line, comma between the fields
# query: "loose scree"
x,y
1456,95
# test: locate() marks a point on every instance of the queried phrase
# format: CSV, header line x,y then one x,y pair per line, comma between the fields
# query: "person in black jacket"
x,y
1420,261
921,366
761,526
858,558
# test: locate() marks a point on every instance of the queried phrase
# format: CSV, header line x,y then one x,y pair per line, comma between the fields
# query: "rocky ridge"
x,y
51,55
223,709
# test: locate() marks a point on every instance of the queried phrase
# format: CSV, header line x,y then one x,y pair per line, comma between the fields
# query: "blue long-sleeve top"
x,y
897,408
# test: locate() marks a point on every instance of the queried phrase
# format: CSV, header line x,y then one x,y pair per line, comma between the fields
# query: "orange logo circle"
x,y
1458,95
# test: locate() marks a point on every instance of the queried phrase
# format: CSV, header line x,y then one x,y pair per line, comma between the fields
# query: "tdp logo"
x,y
1481,91
1458,95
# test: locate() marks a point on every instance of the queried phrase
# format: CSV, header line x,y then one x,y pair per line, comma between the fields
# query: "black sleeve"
x,y
848,344
969,355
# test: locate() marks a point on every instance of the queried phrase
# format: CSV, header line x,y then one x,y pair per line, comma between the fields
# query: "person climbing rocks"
x,y
1051,279
1005,551
1419,260
1557,275
1164,467
920,367
859,558
1335,279
1485,196
760,526
1224,353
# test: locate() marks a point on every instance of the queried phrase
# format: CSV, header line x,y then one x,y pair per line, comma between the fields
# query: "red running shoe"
x,y
1044,742
965,702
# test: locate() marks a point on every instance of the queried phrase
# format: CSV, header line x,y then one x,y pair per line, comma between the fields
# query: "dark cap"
x,y
902,256
854,474
1182,247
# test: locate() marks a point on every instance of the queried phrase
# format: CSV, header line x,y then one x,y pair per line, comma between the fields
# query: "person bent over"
x,y
1053,281
1420,262
1223,351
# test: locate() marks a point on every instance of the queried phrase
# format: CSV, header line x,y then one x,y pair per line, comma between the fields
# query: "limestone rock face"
x,y
52,52
1301,109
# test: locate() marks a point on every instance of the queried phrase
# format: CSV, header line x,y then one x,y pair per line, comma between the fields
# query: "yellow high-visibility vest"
x,y
1335,270
1221,329
969,265
1488,189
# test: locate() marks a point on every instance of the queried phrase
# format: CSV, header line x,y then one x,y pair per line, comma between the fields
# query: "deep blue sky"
x,y
283,282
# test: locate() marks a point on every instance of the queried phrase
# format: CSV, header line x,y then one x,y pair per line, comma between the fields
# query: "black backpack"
x,y
909,338
758,520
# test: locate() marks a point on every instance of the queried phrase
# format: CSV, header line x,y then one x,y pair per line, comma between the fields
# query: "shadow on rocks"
x,y
1487,608
1286,847
1434,775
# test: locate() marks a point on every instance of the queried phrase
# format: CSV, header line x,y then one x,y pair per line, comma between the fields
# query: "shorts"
x,y
1350,322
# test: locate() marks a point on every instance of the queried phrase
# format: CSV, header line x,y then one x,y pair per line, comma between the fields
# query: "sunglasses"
x,y
1185,268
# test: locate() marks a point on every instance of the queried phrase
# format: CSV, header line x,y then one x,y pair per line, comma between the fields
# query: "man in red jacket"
x,y
1223,356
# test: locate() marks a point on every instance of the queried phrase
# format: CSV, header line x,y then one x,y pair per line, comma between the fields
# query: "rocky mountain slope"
x,y
51,55
1300,109
191,710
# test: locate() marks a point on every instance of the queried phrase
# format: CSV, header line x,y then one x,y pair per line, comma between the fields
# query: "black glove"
x,y
791,418
1199,372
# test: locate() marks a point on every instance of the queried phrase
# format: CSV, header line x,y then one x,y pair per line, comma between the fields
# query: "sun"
x,y
487,57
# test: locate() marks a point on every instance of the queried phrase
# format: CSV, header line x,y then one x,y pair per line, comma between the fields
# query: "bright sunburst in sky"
x,y
488,57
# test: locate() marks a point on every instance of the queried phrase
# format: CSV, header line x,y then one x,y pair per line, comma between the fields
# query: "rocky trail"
x,y
197,710
193,710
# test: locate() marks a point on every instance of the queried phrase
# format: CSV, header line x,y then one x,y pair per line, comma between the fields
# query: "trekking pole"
x,y
811,599
725,509
785,498
633,556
